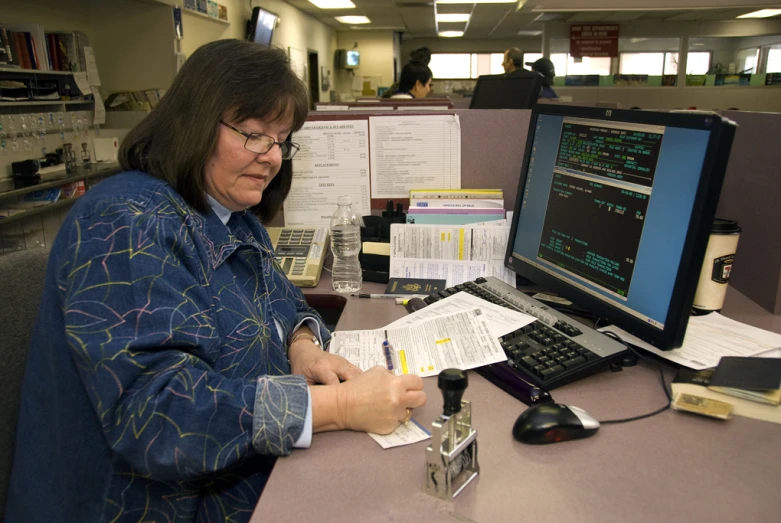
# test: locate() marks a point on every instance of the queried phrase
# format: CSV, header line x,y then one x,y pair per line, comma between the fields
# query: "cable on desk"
x,y
661,378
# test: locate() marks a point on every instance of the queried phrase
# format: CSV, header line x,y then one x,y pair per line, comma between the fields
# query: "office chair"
x,y
22,275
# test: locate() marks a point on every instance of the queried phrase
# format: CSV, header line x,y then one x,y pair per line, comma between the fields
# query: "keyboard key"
x,y
574,362
528,361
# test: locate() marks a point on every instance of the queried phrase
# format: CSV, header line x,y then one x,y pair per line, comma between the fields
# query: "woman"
x,y
415,81
172,360
419,55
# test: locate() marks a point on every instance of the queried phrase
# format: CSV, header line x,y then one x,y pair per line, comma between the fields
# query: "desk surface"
x,y
671,467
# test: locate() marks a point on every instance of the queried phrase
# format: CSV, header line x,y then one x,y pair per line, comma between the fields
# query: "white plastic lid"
x,y
344,200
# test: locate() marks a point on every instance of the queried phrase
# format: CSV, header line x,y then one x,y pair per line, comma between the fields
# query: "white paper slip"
x,y
91,66
710,337
454,272
82,83
405,434
501,320
462,341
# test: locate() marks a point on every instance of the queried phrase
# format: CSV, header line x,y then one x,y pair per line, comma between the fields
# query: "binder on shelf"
x,y
34,37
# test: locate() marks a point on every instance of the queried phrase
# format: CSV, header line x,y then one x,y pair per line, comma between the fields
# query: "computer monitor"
x,y
260,28
348,58
614,210
506,92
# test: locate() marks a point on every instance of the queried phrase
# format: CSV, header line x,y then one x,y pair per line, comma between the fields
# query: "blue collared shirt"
x,y
305,440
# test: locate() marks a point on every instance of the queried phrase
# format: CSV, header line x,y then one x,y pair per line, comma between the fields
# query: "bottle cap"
x,y
344,200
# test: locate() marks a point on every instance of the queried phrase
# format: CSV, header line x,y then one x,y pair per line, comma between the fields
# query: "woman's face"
x,y
236,177
420,90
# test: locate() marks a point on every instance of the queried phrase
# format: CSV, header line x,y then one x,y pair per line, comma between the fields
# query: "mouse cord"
x,y
661,379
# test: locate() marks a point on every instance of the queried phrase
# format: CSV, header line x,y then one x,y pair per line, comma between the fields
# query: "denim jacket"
x,y
157,387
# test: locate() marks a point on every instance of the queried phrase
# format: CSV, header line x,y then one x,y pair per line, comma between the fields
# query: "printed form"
x,y
333,160
710,337
462,340
414,152
501,320
454,272
438,244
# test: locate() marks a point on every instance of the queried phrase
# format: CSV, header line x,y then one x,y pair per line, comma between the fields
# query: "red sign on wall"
x,y
593,40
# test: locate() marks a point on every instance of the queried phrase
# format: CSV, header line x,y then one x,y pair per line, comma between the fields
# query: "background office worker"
x,y
544,67
513,58
415,81
172,360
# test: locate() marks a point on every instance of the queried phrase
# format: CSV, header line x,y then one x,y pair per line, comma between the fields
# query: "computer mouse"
x,y
551,423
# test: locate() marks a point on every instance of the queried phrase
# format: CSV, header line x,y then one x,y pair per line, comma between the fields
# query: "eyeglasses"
x,y
262,143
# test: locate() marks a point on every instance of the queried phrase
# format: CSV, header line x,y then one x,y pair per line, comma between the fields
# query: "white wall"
x,y
303,32
376,49
53,15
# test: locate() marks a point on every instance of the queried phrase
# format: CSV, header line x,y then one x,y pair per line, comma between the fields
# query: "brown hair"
x,y
230,79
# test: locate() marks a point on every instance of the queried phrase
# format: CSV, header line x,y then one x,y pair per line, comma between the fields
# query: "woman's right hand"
x,y
373,401
377,401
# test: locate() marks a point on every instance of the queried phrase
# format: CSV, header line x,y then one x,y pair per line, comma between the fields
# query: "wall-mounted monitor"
x,y
348,59
261,26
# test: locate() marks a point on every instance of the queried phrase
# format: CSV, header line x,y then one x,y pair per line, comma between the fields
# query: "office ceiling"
x,y
415,18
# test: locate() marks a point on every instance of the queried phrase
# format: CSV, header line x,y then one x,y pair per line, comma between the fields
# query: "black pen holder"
x,y
376,267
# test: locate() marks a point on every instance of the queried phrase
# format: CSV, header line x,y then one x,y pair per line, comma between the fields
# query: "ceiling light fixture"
x,y
474,1
451,34
353,19
453,17
762,13
333,4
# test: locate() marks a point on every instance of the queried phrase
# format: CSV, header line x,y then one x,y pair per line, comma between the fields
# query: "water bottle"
x,y
345,245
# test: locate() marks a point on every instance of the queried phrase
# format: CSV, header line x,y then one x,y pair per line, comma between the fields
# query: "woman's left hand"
x,y
319,366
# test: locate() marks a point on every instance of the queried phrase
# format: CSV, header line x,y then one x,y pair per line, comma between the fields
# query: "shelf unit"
x,y
41,102
33,71
82,174
174,3
35,75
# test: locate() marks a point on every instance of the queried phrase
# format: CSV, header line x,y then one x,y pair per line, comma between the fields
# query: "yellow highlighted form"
x,y
403,361
443,340
460,244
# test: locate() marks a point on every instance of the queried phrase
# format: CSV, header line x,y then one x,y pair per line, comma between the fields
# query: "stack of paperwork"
x,y
453,253
461,331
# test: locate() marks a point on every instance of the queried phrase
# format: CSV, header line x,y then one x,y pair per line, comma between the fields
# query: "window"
x,y
586,65
748,60
451,65
496,60
656,64
773,60
642,63
447,66
697,62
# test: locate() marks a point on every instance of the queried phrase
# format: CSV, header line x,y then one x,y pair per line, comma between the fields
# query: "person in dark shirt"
x,y
544,67
513,58
172,360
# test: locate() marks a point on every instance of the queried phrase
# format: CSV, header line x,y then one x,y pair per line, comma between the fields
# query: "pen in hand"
x,y
389,296
386,349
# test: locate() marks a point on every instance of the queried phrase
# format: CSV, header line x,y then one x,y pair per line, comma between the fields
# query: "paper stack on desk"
x,y
460,331
710,337
462,340
455,253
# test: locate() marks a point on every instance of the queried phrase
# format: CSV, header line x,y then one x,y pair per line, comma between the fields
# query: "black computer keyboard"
x,y
550,352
